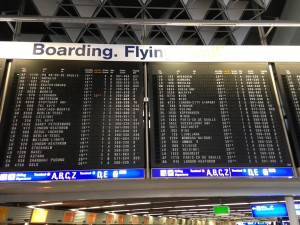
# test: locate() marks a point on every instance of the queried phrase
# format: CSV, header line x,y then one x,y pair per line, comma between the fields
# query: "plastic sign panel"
x,y
69,217
297,207
72,175
146,219
134,219
221,210
272,210
220,172
148,53
110,218
120,218
39,216
91,217
3,214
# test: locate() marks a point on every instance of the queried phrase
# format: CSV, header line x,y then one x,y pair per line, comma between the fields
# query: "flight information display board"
x,y
73,115
215,116
289,85
2,65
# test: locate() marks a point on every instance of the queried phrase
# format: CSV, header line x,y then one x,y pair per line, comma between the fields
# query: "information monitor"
x,y
215,115
73,115
2,67
289,84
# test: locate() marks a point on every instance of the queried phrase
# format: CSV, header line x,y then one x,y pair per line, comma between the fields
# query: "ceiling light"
x,y
141,212
111,206
188,200
163,208
263,202
177,210
95,207
198,209
139,209
46,204
125,210
240,203
208,205
188,212
140,203
82,208
185,206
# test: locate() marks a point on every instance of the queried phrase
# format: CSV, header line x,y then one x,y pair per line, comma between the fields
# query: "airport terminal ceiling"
x,y
151,10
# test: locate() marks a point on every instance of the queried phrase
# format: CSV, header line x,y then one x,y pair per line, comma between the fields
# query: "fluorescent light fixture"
x,y
267,202
189,212
48,204
73,210
188,200
239,203
125,210
163,208
107,212
128,214
45,204
185,206
140,209
208,205
141,212
95,207
111,206
155,214
177,210
140,203
197,209
82,208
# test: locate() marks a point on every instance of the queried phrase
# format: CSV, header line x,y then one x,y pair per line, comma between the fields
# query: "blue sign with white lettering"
x,y
111,174
272,210
220,172
297,207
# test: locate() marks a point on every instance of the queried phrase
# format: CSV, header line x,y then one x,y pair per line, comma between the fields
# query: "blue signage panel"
x,y
297,207
220,172
272,210
112,174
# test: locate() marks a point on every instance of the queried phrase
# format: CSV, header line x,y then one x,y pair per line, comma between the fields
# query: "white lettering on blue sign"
x,y
63,176
102,174
217,173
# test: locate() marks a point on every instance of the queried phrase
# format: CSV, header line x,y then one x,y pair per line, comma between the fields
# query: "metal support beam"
x,y
152,22
291,210
18,26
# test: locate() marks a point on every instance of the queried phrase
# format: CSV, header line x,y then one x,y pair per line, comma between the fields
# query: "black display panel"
x,y
63,115
288,75
215,115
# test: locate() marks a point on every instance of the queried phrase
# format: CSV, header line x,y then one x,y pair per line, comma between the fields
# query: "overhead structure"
x,y
113,22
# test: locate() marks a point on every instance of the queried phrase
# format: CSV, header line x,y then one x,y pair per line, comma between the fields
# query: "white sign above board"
x,y
148,53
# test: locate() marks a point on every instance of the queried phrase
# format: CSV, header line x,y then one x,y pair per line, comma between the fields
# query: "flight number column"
x,y
12,145
225,118
86,118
